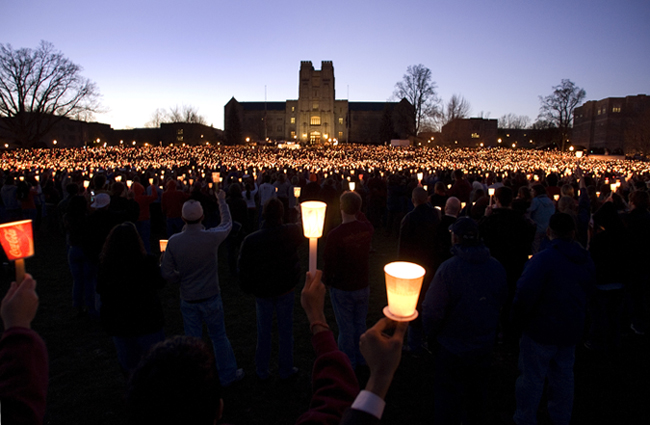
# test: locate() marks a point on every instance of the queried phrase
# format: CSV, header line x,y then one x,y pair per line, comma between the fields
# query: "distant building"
x,y
526,138
605,125
317,117
65,133
168,134
470,132
71,133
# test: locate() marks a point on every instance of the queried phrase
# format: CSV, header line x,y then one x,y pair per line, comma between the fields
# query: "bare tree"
x,y
158,117
38,88
558,107
511,120
186,113
457,107
419,89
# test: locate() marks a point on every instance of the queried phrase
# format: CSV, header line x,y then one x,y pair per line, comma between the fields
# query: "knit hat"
x,y
192,210
466,228
101,200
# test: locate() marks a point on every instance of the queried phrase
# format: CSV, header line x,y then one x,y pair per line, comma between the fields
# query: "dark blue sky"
x,y
499,54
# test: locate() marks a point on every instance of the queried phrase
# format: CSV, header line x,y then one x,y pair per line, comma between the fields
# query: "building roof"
x,y
259,106
369,106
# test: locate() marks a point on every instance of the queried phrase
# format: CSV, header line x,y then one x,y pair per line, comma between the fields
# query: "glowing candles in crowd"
x,y
352,185
403,285
313,218
129,183
296,191
491,193
18,243
556,197
163,245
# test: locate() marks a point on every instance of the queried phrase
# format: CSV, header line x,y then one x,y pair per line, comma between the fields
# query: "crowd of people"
x,y
518,249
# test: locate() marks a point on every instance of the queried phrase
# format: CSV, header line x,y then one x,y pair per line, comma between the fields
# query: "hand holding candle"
x,y
18,242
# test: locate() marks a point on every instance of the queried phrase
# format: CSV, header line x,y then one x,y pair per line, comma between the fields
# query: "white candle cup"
x,y
296,192
352,185
313,218
403,285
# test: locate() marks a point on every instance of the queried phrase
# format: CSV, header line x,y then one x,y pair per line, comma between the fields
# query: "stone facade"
x,y
317,117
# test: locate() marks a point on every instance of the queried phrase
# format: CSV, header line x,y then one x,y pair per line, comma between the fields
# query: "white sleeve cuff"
x,y
369,402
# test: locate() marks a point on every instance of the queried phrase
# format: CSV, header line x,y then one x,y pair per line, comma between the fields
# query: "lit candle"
x,y
18,243
163,245
352,185
491,193
313,218
403,285
296,191
129,183
556,197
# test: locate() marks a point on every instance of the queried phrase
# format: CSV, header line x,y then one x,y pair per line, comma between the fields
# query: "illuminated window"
x,y
340,134
616,109
293,134
315,120
293,120
475,136
293,109
340,120
179,131
314,106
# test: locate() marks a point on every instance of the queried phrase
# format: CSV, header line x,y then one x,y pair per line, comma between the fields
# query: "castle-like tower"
x,y
315,118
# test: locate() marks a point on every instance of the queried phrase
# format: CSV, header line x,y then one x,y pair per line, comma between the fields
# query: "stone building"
x,y
470,132
317,117
609,125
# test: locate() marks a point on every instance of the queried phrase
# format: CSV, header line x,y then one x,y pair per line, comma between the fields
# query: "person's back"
x,y
549,306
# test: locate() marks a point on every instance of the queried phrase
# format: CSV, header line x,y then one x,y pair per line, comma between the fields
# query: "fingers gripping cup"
x,y
403,285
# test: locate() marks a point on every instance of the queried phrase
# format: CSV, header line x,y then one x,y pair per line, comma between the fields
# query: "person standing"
x,y
417,244
191,260
269,268
549,305
461,312
346,255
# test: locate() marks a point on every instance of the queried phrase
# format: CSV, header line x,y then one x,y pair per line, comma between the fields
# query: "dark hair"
x,y
176,383
273,211
504,195
539,190
562,225
640,199
123,247
350,202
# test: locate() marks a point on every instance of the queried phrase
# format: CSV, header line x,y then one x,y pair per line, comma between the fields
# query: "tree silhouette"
x,y
38,88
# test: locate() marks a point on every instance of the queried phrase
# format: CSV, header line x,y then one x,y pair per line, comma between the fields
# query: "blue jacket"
x,y
462,304
549,305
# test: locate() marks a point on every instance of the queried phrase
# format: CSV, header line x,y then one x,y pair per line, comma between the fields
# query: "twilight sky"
x,y
499,54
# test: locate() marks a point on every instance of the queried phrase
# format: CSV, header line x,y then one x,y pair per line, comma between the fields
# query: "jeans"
x,y
283,306
210,311
174,225
84,275
537,362
131,349
350,309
